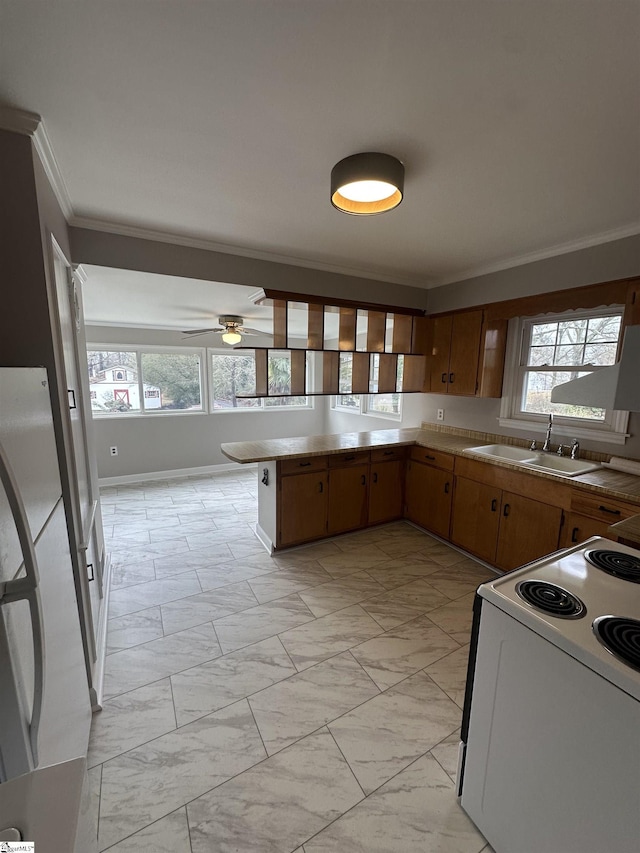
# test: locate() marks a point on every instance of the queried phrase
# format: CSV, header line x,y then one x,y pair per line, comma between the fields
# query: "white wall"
x,y
169,442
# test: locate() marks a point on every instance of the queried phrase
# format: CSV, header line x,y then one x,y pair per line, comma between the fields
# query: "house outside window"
x,y
550,350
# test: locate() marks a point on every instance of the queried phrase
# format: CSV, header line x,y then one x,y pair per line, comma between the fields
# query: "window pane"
x,y
173,381
544,334
234,374
269,402
348,401
571,354
541,355
572,331
388,404
113,381
537,396
604,329
600,353
279,372
346,372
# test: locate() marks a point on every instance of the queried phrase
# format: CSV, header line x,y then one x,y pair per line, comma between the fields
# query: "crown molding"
x,y
239,251
31,124
630,230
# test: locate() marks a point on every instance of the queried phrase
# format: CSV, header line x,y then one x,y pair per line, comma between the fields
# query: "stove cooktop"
x,y
564,597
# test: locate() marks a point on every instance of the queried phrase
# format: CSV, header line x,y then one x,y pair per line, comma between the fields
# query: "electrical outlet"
x,y
113,451
440,415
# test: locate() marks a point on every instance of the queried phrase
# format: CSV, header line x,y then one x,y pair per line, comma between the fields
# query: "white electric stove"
x,y
550,752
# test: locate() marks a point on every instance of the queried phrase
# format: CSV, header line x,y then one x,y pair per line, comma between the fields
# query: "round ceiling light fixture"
x,y
232,337
367,183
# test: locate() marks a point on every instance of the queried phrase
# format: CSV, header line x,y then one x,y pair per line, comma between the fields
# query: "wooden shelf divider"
x,y
298,372
262,373
360,373
347,334
388,373
376,328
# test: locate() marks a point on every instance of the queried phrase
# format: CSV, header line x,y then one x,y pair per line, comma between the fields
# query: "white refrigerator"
x,y
45,711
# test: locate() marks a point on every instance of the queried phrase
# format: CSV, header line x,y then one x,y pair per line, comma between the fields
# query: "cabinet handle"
x,y
494,505
430,458
375,477
321,489
349,458
452,376
446,488
363,480
506,510
444,378
304,464
610,511
574,536
388,453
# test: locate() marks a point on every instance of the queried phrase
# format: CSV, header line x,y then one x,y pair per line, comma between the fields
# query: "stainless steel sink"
x,y
548,462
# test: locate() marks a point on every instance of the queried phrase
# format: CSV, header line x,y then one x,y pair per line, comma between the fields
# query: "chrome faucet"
x,y
547,442
575,447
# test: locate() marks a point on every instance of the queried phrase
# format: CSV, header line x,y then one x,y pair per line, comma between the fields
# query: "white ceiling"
x,y
518,122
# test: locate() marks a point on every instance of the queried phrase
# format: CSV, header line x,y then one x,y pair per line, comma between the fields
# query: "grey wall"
x,y
168,442
413,409
133,253
608,262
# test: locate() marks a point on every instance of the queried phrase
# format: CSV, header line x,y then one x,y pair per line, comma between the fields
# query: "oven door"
x,y
551,749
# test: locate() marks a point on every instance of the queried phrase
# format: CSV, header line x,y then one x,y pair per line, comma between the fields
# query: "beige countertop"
x,y
628,529
616,484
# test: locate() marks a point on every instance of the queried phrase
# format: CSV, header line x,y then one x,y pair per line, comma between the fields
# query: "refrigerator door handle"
x,y
26,588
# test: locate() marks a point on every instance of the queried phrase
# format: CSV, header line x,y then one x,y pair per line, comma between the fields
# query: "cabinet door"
x,y
476,518
577,528
428,497
528,529
465,353
386,491
348,498
438,357
302,510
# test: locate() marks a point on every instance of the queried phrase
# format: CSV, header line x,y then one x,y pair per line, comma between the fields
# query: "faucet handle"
x,y
575,447
560,450
533,445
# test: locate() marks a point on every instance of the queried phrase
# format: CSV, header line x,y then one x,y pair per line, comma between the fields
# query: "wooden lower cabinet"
x,y
476,518
577,528
528,529
428,497
348,498
503,528
302,508
386,487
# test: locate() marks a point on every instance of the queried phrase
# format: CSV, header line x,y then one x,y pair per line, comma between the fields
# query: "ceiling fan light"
x,y
232,338
366,184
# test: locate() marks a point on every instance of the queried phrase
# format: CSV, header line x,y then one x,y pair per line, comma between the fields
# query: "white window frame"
x,y
138,349
365,407
612,430
262,407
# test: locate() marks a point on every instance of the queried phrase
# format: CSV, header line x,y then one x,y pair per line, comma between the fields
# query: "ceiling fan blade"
x,y
202,331
246,330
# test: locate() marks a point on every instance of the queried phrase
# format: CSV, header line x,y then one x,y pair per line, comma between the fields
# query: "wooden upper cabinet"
x,y
464,354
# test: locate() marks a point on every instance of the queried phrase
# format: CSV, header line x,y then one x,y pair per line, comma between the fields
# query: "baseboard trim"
x,y
96,691
263,538
173,474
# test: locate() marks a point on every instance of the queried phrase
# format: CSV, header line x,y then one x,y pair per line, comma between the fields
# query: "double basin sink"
x,y
536,460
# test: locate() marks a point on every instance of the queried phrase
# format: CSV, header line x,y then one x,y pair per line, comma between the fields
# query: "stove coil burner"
x,y
551,599
621,637
623,566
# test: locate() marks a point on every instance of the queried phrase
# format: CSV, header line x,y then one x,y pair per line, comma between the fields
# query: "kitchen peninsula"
x,y
313,487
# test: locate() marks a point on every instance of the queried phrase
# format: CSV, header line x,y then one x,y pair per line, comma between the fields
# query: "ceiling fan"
x,y
230,328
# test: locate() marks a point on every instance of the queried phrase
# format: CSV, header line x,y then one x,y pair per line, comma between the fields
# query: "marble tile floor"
x,y
308,702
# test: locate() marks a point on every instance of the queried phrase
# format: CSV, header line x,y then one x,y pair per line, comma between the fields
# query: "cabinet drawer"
x,y
303,466
388,454
602,508
355,457
432,457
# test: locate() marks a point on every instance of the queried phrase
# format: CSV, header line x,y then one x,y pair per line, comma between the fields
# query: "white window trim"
x,y
138,349
613,432
262,407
